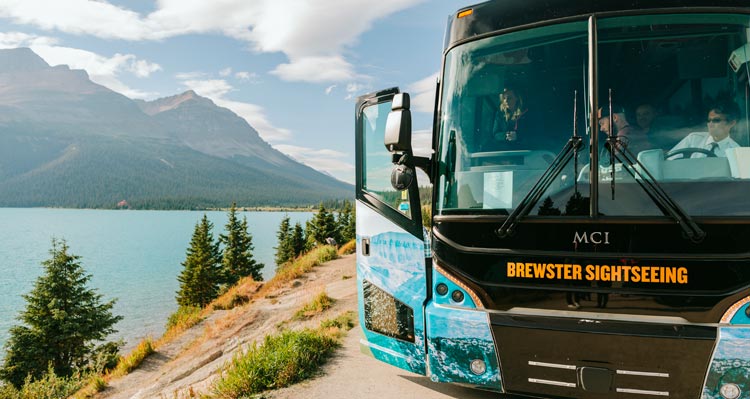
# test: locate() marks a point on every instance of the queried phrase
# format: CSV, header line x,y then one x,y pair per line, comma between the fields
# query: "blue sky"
x,y
291,68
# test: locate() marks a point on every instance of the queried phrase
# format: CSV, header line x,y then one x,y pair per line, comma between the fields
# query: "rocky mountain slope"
x,y
67,141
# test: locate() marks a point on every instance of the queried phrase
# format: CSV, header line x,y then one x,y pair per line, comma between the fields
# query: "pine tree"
x,y
237,260
62,321
201,276
548,208
284,250
321,226
346,223
297,240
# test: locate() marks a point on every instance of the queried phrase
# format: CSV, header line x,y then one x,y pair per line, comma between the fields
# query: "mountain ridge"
x,y
46,111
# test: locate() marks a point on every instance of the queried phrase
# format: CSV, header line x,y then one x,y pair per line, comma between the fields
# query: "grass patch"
x,y
237,295
318,305
348,248
345,322
50,386
184,318
281,360
292,270
98,383
231,302
135,358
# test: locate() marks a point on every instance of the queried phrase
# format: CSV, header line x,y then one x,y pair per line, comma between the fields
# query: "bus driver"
x,y
721,120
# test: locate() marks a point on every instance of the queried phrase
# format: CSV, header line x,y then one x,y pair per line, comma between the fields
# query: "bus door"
x,y
391,264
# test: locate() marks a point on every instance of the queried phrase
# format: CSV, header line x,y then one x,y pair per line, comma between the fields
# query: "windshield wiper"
x,y
548,177
655,191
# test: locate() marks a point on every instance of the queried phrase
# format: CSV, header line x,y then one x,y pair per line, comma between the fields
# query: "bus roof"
x,y
496,15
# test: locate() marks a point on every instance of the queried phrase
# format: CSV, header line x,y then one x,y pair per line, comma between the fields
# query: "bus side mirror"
x,y
402,175
398,125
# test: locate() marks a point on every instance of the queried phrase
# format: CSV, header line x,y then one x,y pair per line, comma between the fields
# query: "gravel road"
x,y
354,375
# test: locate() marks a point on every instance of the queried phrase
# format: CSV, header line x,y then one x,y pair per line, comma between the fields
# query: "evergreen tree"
x,y
297,240
548,208
321,226
346,223
237,260
201,276
62,321
284,250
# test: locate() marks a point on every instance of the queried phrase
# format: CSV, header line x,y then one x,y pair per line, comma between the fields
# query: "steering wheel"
x,y
688,152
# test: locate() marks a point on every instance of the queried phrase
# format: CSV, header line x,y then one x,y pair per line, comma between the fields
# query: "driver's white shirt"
x,y
703,140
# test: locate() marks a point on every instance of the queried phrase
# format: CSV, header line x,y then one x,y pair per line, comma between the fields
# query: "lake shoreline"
x,y
133,257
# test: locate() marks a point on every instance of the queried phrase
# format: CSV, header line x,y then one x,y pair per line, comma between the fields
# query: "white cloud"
x,y
422,94
217,89
309,32
355,89
190,75
19,39
255,116
316,69
333,162
103,70
212,88
225,72
329,89
142,68
421,141
96,18
247,76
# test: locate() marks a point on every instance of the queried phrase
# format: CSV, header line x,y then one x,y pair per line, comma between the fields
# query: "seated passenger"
x,y
632,137
510,128
721,120
645,115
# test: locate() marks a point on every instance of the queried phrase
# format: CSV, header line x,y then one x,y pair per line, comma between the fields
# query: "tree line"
x,y
324,228
65,323
208,269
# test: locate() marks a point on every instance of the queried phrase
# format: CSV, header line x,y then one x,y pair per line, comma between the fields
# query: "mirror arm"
x,y
425,164
405,158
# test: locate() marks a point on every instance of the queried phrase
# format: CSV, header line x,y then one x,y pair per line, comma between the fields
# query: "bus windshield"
x,y
672,90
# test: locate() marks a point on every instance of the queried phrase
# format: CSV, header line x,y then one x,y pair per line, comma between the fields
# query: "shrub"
x,y
348,248
236,295
318,305
344,322
291,270
135,358
184,318
280,361
49,386
98,383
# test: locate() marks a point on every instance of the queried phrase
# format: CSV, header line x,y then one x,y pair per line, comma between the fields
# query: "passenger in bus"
x,y
632,137
510,128
645,114
722,118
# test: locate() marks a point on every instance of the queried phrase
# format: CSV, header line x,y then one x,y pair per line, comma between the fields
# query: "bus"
x,y
589,221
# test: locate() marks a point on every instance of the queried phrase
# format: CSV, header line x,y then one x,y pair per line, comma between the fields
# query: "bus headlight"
x,y
729,391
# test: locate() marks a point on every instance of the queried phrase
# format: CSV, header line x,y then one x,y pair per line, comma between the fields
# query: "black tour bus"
x,y
590,215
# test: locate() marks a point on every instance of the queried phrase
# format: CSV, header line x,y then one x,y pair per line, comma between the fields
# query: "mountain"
x,y
67,141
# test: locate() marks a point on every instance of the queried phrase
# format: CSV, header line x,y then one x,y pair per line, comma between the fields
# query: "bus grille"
x,y
577,358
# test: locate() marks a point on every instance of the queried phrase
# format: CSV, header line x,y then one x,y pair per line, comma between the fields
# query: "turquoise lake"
x,y
132,256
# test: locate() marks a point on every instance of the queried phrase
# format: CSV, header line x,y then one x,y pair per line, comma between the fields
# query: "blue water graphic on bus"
x,y
455,338
731,362
396,266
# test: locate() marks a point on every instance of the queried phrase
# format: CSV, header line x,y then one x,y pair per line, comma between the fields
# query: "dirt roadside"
x,y
352,374
186,367
189,364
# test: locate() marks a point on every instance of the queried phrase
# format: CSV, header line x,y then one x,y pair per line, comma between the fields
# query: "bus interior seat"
x,y
739,162
683,168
